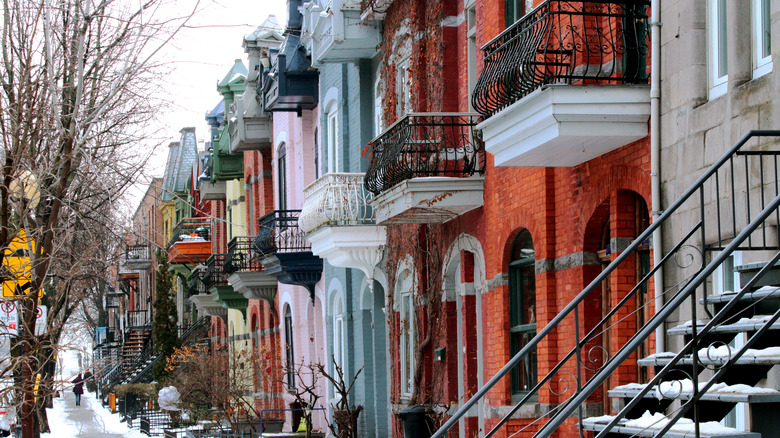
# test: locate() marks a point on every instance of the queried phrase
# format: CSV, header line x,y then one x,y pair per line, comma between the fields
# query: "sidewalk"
x,y
90,420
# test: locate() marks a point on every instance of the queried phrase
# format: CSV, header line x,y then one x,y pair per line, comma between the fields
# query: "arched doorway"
x,y
522,312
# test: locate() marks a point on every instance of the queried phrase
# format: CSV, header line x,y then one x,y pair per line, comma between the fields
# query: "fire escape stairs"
x,y
729,346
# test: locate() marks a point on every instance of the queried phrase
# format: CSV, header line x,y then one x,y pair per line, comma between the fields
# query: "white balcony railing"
x,y
336,199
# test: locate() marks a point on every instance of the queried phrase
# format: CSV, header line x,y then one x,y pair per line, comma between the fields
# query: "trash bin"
x,y
417,422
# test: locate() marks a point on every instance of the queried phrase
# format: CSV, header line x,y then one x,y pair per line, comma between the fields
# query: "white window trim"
x,y
407,342
333,139
717,85
378,107
404,88
761,65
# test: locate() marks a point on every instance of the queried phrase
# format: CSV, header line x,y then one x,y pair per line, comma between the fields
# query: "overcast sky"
x,y
200,56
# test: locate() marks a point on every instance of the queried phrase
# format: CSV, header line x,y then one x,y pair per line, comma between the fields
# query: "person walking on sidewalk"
x,y
78,388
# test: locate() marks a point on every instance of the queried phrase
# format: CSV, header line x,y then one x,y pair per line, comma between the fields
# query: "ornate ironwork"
x,y
191,229
564,42
425,145
215,274
137,254
279,232
336,199
240,257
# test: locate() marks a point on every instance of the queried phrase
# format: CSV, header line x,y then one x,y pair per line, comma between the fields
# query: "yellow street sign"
x,y
17,267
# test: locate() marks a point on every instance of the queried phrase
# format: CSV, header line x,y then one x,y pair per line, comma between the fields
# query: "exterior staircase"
x,y
723,356
137,342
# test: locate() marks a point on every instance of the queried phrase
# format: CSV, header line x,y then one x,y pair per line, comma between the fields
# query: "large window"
x,y
514,10
405,306
762,41
289,349
282,169
522,311
718,49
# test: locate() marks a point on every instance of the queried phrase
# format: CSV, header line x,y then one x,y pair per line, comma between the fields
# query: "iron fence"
x,y
138,254
564,42
279,232
426,145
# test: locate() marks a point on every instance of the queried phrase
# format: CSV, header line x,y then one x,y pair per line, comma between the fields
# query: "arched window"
x,y
282,180
522,311
289,348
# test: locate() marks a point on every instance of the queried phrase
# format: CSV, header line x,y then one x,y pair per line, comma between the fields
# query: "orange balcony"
x,y
191,241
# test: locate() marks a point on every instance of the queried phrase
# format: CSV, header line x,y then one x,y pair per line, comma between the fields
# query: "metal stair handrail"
x,y
572,307
187,338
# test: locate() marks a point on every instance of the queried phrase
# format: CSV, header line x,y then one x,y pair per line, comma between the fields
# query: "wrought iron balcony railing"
x,y
196,285
336,199
215,274
138,254
279,233
191,230
240,257
425,145
564,42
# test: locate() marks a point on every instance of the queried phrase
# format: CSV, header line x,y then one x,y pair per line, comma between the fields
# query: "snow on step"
x,y
718,356
683,389
649,424
762,292
742,325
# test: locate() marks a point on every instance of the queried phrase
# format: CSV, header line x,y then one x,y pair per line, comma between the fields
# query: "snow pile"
x,y
169,399
595,420
768,289
659,421
654,421
661,355
755,319
630,387
740,388
708,428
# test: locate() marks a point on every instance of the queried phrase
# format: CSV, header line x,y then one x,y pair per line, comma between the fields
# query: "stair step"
x,y
767,356
743,325
673,392
762,293
626,427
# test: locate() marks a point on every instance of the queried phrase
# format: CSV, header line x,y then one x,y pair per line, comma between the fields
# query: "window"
x,y
378,107
514,10
762,41
282,169
522,311
316,155
718,50
471,47
405,303
338,332
289,348
333,136
403,89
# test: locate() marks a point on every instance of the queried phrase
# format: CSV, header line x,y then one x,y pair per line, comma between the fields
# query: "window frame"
x,y
405,290
281,164
762,38
517,323
332,122
403,88
716,38
289,342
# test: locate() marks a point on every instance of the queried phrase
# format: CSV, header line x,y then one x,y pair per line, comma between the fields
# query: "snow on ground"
x,y
91,419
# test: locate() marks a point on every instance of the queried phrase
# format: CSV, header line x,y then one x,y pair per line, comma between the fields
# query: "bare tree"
x,y
77,81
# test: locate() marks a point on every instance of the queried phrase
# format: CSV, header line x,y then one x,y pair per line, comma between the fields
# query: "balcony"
x,y
427,168
138,257
339,34
284,251
566,83
340,223
212,191
291,85
246,273
125,272
104,336
137,318
249,128
190,242
112,300
222,166
215,279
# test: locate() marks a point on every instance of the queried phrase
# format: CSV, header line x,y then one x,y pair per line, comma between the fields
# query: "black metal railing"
x,y
241,256
278,232
112,300
138,254
197,286
191,230
733,206
215,274
423,145
564,42
137,318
